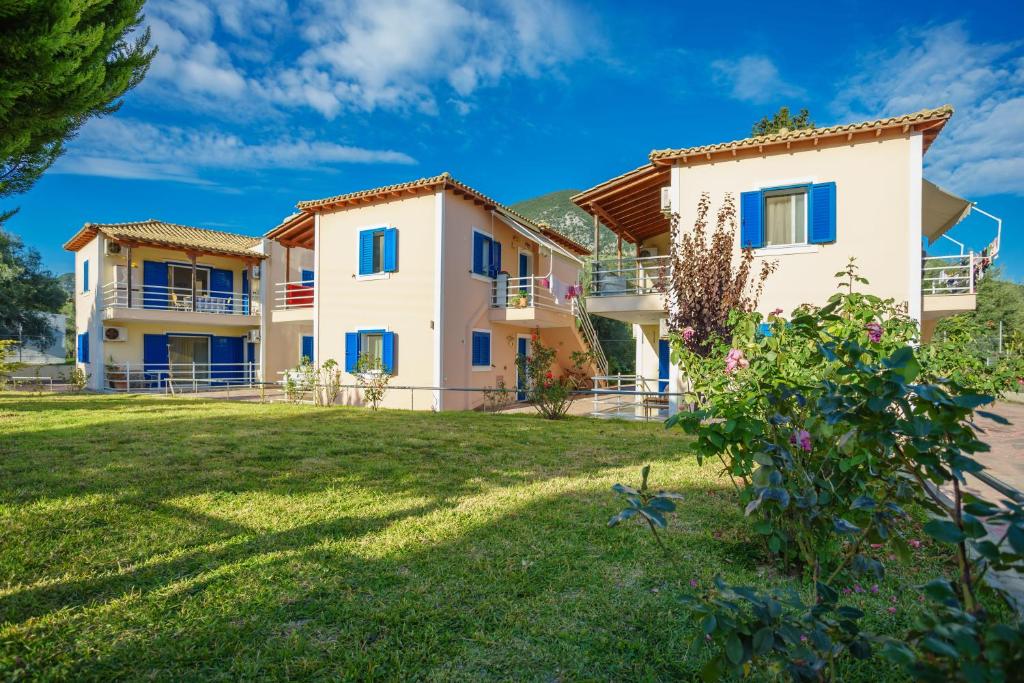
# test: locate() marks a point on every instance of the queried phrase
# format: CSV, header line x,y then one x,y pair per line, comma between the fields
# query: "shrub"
x,y
957,354
77,378
498,397
372,377
550,395
7,347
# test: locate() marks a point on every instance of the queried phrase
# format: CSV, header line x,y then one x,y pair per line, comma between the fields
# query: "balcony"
x,y
157,303
530,301
630,289
293,302
949,283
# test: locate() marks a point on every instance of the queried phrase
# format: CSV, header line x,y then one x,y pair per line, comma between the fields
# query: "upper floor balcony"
x,y
629,289
293,301
532,300
149,302
949,283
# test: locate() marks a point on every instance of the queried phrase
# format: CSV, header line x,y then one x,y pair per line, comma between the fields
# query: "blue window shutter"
x,y
154,284
390,250
822,212
476,349
227,357
245,292
351,351
85,275
479,244
366,252
389,352
495,258
307,277
751,221
83,347
307,348
485,349
222,282
664,362
154,355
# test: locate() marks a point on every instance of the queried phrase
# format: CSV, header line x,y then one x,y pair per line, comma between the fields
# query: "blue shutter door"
x,y
520,378
307,278
495,258
83,347
351,351
154,284
389,352
85,275
307,347
663,362
390,250
221,285
822,212
751,223
227,357
366,252
478,253
154,355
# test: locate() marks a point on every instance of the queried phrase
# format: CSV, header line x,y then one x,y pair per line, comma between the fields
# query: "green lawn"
x,y
152,538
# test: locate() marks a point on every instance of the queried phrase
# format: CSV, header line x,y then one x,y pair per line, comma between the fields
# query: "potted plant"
x,y
521,300
117,378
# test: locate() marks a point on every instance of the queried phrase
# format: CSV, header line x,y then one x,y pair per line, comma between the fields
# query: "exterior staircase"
x,y
586,328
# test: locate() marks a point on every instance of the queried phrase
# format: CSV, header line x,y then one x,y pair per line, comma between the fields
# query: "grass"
x,y
154,538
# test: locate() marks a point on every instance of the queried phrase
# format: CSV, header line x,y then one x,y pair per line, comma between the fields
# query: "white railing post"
x,y
128,377
970,267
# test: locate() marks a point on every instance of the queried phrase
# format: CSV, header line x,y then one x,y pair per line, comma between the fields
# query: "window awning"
x,y
940,210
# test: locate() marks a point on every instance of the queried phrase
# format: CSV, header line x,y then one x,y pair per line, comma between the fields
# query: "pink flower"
x,y
735,360
874,588
688,333
857,588
802,439
892,598
891,610
803,638
914,543
874,332
846,591
693,583
876,546
920,598
777,311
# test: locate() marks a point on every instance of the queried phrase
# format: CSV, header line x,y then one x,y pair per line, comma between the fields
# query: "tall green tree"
x,y
782,119
26,291
61,63
999,301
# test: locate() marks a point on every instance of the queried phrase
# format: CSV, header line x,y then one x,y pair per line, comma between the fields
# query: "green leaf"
x,y
622,516
763,640
939,647
939,590
943,531
734,649
709,623
654,516
774,544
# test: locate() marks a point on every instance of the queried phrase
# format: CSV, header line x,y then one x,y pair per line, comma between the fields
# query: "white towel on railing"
x,y
559,290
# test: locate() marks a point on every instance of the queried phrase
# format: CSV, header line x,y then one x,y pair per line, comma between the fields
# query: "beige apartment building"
x,y
807,199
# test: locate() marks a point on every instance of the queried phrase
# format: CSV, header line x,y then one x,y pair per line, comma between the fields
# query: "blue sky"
x,y
253,105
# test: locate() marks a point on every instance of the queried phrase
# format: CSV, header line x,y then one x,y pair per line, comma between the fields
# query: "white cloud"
x,y
151,152
248,57
981,150
753,78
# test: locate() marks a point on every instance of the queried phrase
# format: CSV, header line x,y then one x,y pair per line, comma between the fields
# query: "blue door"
x,y
245,291
307,347
226,357
524,270
154,284
523,350
250,360
221,285
663,360
154,356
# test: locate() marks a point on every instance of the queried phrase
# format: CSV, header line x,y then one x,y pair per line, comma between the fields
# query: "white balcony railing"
x,y
952,274
612,397
291,295
629,276
527,292
172,377
157,297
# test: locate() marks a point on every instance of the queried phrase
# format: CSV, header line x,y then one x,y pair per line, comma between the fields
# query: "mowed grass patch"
x,y
155,538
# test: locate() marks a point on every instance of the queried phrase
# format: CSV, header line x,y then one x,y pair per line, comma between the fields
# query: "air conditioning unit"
x,y
113,248
647,252
666,200
254,336
115,334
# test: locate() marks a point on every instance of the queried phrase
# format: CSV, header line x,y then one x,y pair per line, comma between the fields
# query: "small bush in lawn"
x,y
550,395
372,377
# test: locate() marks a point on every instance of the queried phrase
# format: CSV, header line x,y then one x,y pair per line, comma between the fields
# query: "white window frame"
x,y
383,274
490,351
787,192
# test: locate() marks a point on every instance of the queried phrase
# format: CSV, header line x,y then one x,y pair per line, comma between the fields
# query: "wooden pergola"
x,y
629,205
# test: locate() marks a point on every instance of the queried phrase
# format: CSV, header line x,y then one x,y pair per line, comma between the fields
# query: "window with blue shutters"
x,y
486,255
788,216
378,251
372,344
85,275
480,351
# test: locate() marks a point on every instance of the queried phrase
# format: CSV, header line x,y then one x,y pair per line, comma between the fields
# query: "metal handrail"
x,y
526,292
950,274
629,276
628,397
143,377
162,297
579,309
295,294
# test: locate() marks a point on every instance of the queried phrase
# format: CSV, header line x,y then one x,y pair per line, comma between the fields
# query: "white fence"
x,y
158,297
526,292
628,397
629,276
292,295
173,377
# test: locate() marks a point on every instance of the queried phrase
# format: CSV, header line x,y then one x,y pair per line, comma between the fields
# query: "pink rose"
x,y
802,439
688,333
777,311
874,332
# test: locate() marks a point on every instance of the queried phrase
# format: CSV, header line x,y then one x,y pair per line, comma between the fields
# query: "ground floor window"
x,y
481,349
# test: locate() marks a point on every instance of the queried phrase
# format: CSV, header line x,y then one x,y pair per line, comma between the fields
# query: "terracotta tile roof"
x,y
160,233
930,120
408,189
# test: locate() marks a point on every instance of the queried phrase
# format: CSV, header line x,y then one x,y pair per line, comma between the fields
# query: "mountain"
x,y
557,210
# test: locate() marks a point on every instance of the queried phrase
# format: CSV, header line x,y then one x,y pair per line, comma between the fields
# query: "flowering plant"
x,y
551,396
